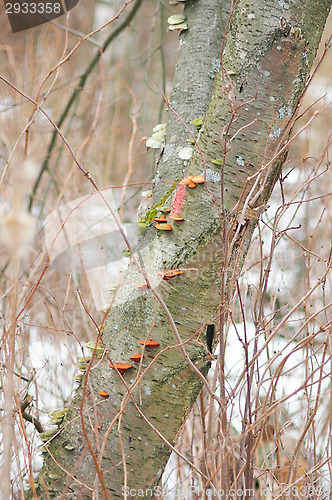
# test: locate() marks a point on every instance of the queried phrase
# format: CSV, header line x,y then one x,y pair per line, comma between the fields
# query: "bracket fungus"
x,y
82,363
163,226
157,139
192,181
186,181
121,367
98,349
177,22
186,153
176,218
47,435
149,343
136,357
57,416
69,447
78,379
142,286
198,179
103,394
170,273
160,220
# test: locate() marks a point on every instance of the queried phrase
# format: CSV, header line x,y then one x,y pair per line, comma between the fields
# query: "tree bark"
x,y
248,111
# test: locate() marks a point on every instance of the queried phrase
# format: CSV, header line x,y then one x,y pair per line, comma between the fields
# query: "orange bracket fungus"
x,y
103,394
186,181
160,219
149,343
198,179
121,367
170,273
176,217
136,357
142,286
163,226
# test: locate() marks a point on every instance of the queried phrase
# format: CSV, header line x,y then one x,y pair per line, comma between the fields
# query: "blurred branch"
x,y
162,59
75,32
78,89
23,406
25,403
34,421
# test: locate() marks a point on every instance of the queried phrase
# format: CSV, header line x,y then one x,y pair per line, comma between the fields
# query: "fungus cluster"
x,y
97,349
161,224
192,181
177,22
123,367
157,139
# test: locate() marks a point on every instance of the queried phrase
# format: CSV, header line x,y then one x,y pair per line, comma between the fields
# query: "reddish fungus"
x,y
176,217
185,181
170,273
163,226
121,367
142,286
103,394
136,357
199,179
149,343
160,219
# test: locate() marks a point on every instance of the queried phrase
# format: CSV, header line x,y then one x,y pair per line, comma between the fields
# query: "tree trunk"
x,y
249,108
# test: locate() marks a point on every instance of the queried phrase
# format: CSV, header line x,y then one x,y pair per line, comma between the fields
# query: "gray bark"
x,y
269,51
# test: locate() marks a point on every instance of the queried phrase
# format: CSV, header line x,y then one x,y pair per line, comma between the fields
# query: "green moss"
x,y
219,161
198,122
48,435
156,209
98,349
57,416
125,252
69,447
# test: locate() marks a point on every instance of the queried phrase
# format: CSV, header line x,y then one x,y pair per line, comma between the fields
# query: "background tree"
x,y
246,88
